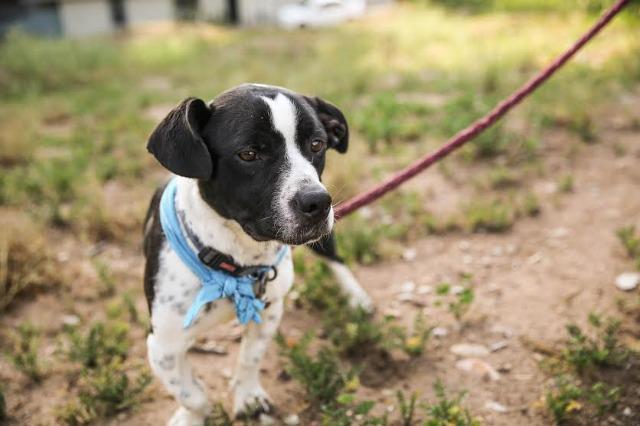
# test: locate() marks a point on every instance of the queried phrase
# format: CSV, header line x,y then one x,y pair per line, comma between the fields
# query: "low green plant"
x,y
407,408
493,216
531,205
565,184
503,178
101,344
631,242
603,397
564,399
321,376
24,354
105,278
104,392
585,353
448,411
462,300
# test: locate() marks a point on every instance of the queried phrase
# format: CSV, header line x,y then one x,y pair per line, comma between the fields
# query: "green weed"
x,y
492,216
448,411
24,354
564,399
565,184
105,392
631,242
105,279
101,344
462,300
585,353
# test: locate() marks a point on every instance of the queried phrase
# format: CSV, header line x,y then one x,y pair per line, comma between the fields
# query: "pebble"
x,y
478,367
560,232
457,289
407,287
505,368
464,245
467,259
627,412
424,289
495,406
469,350
70,320
497,251
628,281
266,419
501,329
409,255
226,373
439,332
497,346
534,259
292,420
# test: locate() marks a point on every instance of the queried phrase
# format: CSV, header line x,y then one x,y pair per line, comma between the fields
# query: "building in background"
x,y
77,18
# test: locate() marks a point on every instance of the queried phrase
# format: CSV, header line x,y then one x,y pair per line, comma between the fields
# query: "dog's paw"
x,y
185,417
360,299
251,403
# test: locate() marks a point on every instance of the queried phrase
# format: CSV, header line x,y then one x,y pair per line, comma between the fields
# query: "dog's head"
x,y
258,153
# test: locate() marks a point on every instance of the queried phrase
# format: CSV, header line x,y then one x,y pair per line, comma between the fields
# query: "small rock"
x,y
267,420
439,332
534,259
627,412
500,329
495,406
292,420
70,320
467,259
388,392
497,251
121,417
464,245
559,232
226,373
63,256
407,287
469,350
505,368
478,367
628,281
497,346
457,289
409,254
424,289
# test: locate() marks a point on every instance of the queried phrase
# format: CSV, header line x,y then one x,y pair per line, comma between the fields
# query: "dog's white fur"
x,y
176,287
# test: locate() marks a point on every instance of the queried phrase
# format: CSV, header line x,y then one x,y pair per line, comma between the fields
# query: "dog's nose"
x,y
313,204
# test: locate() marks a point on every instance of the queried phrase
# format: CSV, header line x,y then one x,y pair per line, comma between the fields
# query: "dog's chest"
x,y
176,287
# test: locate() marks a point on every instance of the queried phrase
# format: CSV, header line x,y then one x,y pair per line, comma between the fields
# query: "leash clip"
x,y
262,280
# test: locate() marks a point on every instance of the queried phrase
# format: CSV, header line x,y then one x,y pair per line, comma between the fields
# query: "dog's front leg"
x,y
167,356
250,399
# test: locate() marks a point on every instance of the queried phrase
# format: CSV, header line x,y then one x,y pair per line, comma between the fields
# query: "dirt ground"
x,y
529,283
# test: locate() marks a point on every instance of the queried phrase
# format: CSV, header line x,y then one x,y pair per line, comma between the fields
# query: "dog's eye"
x,y
248,155
317,145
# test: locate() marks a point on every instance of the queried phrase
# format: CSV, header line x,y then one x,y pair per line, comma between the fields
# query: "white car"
x,y
319,13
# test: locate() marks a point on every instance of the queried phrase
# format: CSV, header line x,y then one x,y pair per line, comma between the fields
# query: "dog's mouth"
x,y
300,235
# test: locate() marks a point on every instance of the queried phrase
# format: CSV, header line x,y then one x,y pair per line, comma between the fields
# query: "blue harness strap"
x,y
216,284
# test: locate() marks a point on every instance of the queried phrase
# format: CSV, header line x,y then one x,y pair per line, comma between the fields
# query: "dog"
x,y
247,169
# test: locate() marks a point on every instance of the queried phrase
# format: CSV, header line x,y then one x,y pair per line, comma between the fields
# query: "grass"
x,y
24,354
591,375
107,384
603,350
353,331
331,392
76,113
631,242
26,265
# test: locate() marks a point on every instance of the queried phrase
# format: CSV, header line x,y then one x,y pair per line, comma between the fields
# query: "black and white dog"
x,y
249,166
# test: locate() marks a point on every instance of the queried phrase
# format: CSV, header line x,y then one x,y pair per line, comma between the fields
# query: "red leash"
x,y
481,124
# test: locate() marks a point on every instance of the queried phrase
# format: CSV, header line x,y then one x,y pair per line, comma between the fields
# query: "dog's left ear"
x,y
334,123
177,142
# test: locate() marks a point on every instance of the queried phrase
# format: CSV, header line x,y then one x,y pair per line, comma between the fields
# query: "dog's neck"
x,y
222,234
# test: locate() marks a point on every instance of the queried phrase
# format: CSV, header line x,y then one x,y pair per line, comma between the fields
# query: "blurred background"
x,y
526,245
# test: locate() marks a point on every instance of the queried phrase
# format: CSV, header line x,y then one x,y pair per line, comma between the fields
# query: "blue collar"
x,y
216,283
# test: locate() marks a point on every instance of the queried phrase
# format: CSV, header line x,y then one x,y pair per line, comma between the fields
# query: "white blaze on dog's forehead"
x,y
283,116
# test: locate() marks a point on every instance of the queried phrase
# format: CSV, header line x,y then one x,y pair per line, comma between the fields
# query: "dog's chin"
x,y
298,236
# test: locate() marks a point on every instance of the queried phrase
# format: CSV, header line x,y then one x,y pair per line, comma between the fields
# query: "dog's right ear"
x,y
177,142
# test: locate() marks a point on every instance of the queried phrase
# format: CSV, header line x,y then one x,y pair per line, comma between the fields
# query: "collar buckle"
x,y
217,260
